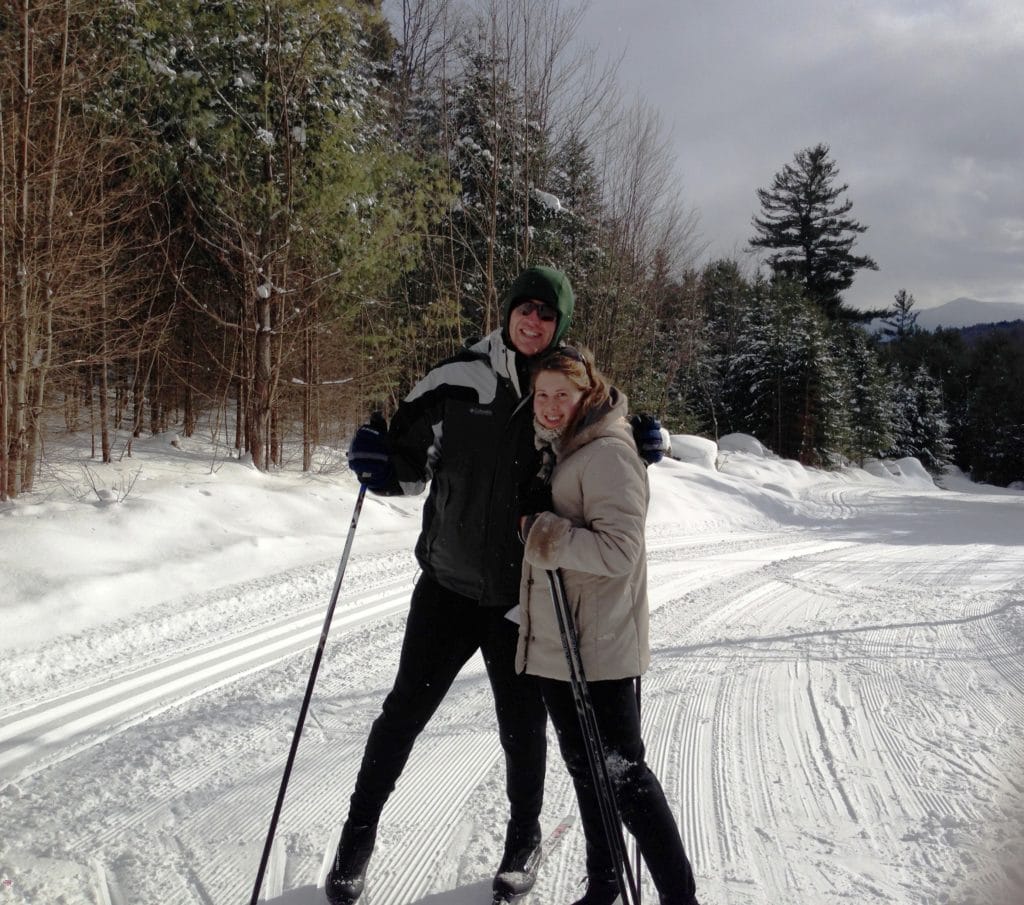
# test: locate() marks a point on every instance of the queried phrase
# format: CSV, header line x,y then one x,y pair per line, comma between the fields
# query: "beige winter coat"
x,y
596,537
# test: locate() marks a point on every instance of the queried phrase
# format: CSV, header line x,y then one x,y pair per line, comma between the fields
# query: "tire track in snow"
x,y
924,661
945,687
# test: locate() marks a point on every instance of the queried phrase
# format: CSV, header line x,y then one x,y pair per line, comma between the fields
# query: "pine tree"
x,y
782,383
903,415
871,402
724,296
569,234
995,414
903,320
925,414
944,355
487,223
804,225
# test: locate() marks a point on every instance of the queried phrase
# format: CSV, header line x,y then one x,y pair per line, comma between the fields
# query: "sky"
x,y
917,100
833,705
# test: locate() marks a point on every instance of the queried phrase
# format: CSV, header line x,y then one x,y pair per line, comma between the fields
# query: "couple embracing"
x,y
532,466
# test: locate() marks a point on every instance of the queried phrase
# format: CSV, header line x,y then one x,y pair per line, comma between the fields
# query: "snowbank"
x,y
695,450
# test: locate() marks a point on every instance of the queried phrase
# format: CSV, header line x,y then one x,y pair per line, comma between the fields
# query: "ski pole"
x,y
593,746
596,761
308,695
636,842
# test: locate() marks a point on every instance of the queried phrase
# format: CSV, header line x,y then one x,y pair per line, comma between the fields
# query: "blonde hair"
x,y
576,363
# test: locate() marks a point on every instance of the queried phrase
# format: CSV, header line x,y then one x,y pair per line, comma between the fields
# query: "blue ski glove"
x,y
647,434
368,453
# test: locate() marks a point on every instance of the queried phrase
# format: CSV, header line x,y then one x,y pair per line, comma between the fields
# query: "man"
x,y
466,427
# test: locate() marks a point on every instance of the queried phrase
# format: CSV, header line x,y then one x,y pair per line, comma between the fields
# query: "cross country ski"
x,y
518,884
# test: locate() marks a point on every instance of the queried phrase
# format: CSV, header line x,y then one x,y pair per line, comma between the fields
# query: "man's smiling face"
x,y
531,326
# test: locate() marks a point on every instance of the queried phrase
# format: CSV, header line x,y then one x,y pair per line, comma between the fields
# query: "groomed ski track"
x,y
835,716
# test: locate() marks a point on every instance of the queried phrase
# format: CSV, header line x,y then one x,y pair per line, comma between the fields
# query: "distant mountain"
x,y
965,312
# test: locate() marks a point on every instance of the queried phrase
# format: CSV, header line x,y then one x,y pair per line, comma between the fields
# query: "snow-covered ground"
x,y
835,705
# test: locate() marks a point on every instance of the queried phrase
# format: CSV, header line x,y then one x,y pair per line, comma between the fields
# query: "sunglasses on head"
x,y
570,352
573,354
544,311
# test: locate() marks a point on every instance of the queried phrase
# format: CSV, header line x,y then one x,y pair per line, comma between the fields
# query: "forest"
x,y
259,222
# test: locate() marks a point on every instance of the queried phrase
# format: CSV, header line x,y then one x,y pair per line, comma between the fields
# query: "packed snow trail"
x,y
48,731
835,708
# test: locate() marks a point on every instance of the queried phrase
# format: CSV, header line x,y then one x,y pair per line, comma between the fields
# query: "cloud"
x,y
917,100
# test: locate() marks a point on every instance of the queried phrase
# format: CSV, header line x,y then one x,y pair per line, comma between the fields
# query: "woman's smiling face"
x,y
555,399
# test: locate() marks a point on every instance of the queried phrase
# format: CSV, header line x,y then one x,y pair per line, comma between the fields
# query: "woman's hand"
x,y
525,524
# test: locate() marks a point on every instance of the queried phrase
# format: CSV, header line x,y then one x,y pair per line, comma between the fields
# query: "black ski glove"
x,y
368,453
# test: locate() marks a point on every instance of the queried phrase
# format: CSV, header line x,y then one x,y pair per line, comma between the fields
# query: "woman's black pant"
x,y
639,795
442,632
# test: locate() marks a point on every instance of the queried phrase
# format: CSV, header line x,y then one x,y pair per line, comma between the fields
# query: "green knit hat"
x,y
546,285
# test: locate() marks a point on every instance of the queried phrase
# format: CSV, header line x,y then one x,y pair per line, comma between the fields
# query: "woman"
x,y
595,535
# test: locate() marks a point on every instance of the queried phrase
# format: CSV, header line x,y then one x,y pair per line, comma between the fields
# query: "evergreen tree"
x,y
570,221
981,385
829,400
806,228
994,429
724,296
782,383
487,223
272,141
902,321
945,356
927,424
665,330
871,401
903,408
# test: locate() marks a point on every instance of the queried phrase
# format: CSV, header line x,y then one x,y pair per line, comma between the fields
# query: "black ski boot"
x,y
348,875
520,862
600,891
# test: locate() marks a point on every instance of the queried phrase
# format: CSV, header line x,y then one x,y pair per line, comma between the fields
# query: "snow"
x,y
835,705
742,443
551,202
695,450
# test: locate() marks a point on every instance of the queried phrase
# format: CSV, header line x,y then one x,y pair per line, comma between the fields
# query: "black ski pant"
x,y
442,632
639,795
